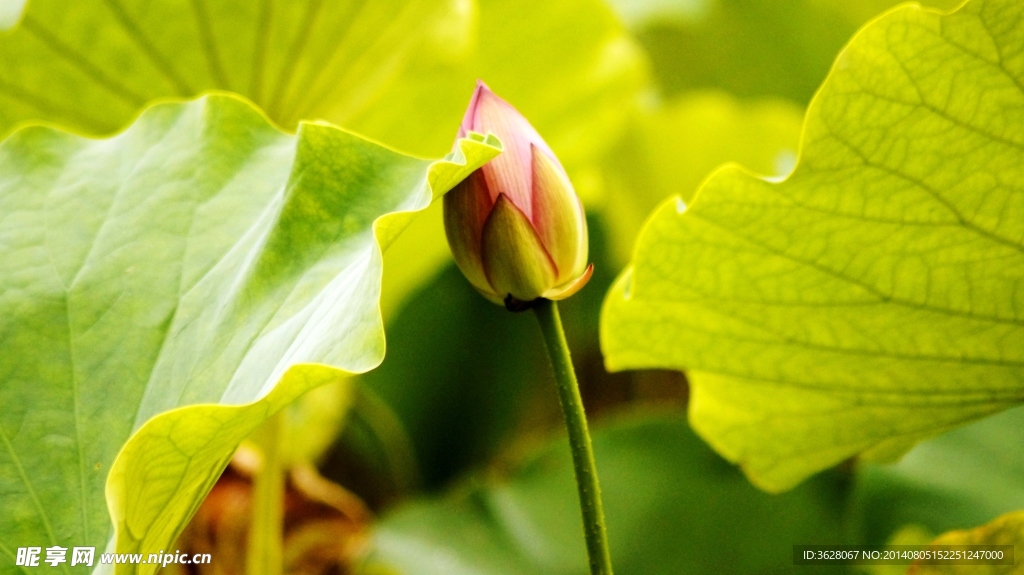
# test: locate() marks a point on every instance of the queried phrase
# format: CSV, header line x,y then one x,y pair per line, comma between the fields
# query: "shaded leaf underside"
x,y
297,60
369,66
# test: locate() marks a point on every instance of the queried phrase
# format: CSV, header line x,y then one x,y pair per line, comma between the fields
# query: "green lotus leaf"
x,y
748,47
672,506
165,290
91,65
871,299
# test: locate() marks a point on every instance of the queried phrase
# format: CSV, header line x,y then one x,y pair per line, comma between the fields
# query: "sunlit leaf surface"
x,y
200,257
876,296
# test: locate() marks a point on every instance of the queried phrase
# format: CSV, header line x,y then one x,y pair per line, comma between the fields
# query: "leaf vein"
x,y
31,490
210,45
88,68
882,296
159,61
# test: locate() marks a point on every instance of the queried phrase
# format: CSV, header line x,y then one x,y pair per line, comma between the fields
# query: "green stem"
x,y
579,438
265,551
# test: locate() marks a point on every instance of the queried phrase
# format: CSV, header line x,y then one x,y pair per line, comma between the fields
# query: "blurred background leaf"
x,y
748,47
672,146
959,480
673,507
313,421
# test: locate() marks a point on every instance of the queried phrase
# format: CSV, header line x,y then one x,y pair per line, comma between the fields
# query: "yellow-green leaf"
x,y
876,296
368,66
671,148
92,64
176,284
1005,530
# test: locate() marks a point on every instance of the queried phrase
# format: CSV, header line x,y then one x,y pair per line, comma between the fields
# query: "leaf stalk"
x,y
265,552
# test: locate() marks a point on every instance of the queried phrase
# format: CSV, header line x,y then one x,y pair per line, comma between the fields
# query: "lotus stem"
x,y
579,438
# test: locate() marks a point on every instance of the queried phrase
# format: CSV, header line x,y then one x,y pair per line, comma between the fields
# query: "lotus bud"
x,y
515,226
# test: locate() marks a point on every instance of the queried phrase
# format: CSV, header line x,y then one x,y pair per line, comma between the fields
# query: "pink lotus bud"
x,y
515,226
